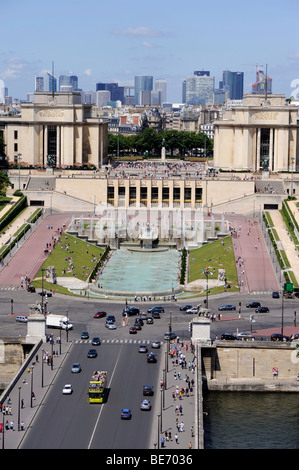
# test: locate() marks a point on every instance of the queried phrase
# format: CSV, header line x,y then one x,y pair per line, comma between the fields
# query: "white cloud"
x,y
87,72
140,31
149,45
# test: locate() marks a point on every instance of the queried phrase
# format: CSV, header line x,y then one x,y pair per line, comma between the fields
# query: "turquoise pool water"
x,y
141,272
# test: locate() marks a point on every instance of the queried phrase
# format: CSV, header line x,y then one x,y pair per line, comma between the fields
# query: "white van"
x,y
21,318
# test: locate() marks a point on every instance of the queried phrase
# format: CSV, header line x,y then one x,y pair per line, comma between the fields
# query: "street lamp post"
x,y
19,162
158,430
31,389
19,409
282,312
206,273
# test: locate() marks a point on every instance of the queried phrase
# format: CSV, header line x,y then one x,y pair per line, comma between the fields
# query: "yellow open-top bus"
x,y
97,387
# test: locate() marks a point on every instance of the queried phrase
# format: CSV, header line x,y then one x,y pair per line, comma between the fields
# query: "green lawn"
x,y
214,255
72,257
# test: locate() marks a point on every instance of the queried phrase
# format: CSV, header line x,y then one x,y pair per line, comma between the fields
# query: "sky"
x,y
112,41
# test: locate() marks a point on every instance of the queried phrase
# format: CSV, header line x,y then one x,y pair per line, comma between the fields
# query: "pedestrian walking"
x,y
176,438
22,425
192,431
11,426
182,427
181,410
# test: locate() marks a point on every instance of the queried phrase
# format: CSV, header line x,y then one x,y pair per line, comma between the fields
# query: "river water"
x,y
244,420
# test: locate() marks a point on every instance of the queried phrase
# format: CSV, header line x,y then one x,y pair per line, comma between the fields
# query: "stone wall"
x,y
12,357
254,359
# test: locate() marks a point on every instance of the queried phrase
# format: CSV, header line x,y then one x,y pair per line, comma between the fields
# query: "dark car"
x,y
275,295
137,326
126,413
155,308
92,353
149,321
131,311
185,307
84,335
99,315
169,335
227,307
279,337
132,330
148,390
96,341
229,336
253,305
262,310
47,293
156,314
31,289
110,318
151,357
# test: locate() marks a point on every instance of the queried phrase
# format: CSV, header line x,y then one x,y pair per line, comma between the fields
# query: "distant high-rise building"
x,y
143,87
117,92
129,94
200,89
202,73
50,82
232,84
184,91
263,84
74,82
161,85
68,81
39,84
2,93
103,96
156,97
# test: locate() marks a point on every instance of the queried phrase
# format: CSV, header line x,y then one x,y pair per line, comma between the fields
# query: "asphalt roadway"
x,y
28,260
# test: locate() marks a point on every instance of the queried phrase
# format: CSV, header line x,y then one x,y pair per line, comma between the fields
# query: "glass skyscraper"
x,y
232,83
143,85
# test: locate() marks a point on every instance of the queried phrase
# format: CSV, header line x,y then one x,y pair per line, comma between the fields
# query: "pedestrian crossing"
x,y
116,341
8,288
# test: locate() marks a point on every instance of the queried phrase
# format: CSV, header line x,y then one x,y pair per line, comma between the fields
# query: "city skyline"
x,y
166,41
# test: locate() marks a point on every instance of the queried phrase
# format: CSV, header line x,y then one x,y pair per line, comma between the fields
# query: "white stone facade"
x,y
260,135
59,125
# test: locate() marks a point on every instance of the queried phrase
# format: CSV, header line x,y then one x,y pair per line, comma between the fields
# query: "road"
x,y
81,314
70,422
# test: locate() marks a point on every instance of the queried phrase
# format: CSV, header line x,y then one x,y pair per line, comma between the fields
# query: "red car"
x,y
99,315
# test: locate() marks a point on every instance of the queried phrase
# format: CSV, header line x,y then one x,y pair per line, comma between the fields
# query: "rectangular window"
x,y
15,134
121,192
165,194
110,192
143,193
155,194
176,194
187,194
198,194
15,147
132,193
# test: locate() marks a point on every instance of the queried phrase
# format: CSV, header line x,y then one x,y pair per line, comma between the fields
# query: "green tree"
x,y
4,183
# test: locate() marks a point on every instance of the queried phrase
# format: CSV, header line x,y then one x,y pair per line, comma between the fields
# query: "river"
x,y
244,420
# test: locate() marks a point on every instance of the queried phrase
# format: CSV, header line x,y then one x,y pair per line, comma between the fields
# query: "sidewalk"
x,y
20,396
175,422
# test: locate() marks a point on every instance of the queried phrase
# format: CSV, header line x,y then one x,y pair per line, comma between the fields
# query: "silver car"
x,y
76,368
145,405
